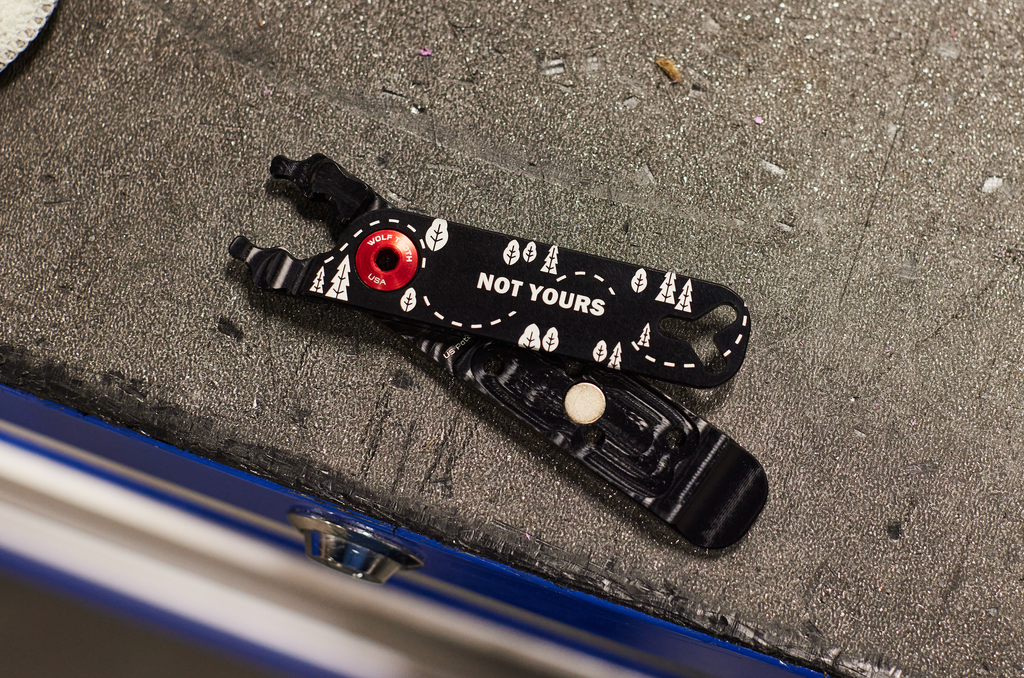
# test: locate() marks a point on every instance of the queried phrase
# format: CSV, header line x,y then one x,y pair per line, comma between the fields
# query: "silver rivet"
x,y
355,550
584,403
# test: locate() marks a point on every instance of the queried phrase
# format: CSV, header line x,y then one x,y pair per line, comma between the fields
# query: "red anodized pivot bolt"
x,y
386,260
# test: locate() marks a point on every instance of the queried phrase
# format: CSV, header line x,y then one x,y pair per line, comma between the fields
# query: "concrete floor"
x,y
850,168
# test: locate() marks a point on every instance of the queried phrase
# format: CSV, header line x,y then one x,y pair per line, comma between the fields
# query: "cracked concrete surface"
x,y
852,169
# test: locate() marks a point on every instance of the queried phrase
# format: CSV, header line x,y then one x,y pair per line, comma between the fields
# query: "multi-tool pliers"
x,y
550,334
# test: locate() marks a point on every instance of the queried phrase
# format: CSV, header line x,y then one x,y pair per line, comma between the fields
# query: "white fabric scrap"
x,y
20,23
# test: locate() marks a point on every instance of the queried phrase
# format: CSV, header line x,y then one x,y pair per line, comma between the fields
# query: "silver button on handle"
x,y
355,550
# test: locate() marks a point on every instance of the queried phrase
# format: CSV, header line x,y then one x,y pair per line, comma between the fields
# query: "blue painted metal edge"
x,y
583,611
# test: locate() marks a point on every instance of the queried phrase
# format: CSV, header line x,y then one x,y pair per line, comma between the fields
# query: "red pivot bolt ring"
x,y
386,260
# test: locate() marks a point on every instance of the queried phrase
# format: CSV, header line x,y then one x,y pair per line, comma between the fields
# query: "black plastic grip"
x,y
675,464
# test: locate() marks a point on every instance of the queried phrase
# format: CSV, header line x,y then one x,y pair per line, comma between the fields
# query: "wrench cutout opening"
x,y
700,334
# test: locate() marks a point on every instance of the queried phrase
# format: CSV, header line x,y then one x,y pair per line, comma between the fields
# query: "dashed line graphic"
x,y
670,291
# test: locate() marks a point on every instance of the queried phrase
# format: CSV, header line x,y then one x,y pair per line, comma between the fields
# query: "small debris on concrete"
x,y
906,270
593,64
553,67
948,50
230,329
426,51
670,69
631,103
711,26
992,184
783,226
644,176
773,168
758,120
894,530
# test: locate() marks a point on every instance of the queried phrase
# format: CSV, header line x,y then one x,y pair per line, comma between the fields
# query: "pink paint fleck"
x,y
426,51
267,92
758,120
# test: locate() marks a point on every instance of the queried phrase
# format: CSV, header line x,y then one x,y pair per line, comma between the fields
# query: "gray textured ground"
x,y
851,169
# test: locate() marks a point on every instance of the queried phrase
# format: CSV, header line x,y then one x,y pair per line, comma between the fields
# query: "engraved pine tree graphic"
x,y
645,336
615,362
318,282
667,293
551,261
339,284
685,296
